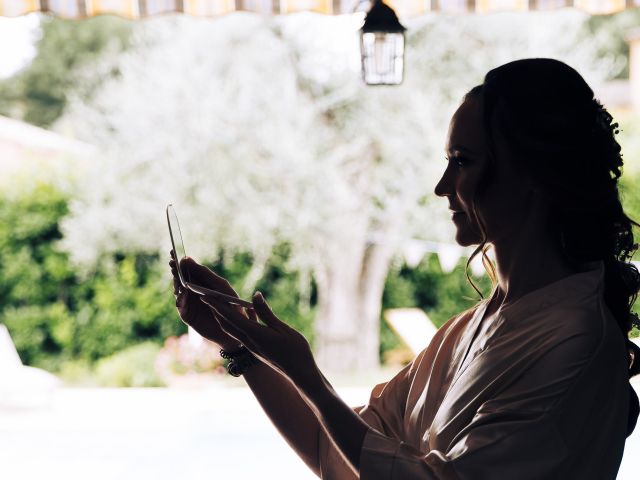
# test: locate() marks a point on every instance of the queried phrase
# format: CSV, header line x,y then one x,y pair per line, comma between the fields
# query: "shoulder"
x,y
574,330
459,320
569,319
455,325
452,329
448,334
564,332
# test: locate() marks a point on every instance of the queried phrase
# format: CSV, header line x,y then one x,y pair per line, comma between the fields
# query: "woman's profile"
x,y
530,383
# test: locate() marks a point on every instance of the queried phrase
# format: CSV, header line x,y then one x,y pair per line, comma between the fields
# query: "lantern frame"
x,y
382,36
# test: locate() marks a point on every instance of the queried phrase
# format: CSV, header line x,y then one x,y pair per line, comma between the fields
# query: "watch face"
x,y
176,241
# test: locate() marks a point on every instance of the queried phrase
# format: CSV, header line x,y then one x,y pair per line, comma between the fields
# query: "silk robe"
x,y
541,394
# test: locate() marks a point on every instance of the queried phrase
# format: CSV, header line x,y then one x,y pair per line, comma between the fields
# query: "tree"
x,y
607,34
260,131
71,56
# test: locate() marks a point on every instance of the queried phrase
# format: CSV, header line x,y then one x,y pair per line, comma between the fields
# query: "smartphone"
x,y
178,247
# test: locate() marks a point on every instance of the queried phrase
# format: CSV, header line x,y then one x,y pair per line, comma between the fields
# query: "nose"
x,y
444,187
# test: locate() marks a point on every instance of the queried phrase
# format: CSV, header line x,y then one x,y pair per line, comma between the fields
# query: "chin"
x,y
466,237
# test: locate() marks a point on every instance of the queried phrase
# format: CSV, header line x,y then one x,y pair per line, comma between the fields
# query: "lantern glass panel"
x,y
382,57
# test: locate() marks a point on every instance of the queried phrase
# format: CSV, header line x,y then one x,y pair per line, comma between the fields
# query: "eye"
x,y
458,159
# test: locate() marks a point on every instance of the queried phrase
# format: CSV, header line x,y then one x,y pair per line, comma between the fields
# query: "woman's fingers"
x,y
265,313
223,308
177,286
201,275
176,279
230,316
227,326
245,318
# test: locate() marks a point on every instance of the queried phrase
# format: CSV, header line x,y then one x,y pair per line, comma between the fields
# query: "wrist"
x,y
239,360
318,398
312,385
230,346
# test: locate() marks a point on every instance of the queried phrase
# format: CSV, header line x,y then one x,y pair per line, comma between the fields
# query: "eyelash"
x,y
461,161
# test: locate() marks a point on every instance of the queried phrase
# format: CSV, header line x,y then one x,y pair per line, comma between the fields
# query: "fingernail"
x,y
258,297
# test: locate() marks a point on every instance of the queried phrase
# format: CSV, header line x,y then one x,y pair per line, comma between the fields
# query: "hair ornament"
x,y
603,118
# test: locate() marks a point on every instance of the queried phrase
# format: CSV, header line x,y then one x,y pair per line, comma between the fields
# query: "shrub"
x,y
180,356
55,315
441,295
132,367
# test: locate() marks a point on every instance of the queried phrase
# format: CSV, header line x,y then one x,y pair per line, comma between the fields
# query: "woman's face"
x,y
503,203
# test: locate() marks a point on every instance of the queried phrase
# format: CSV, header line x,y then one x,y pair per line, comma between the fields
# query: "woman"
x,y
531,383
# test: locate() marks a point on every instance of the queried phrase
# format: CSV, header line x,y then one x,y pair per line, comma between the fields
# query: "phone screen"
x,y
176,241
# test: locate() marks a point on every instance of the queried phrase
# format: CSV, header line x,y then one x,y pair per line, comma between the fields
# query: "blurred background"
x,y
289,175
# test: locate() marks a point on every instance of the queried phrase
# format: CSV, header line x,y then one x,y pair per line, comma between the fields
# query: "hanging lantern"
x,y
382,46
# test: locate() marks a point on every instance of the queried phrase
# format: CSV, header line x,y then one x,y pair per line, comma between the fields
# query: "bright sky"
x,y
17,37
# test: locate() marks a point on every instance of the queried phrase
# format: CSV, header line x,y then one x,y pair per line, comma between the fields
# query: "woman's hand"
x,y
192,311
275,343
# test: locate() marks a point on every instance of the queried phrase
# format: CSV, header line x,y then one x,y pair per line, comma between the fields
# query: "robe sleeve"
x,y
498,445
384,412
514,435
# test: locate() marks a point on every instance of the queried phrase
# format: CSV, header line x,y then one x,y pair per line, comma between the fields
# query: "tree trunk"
x,y
347,324
337,325
375,269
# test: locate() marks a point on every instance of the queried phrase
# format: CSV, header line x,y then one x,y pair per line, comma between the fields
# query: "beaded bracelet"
x,y
239,360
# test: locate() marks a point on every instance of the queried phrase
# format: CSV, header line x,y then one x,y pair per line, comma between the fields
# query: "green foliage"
x,y
631,201
35,279
440,295
54,315
629,191
65,62
129,300
132,367
77,373
630,194
40,332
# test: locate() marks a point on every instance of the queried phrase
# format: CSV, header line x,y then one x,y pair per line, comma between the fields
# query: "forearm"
x,y
341,423
286,409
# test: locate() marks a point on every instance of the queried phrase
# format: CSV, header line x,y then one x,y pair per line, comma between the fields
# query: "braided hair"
x,y
564,138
